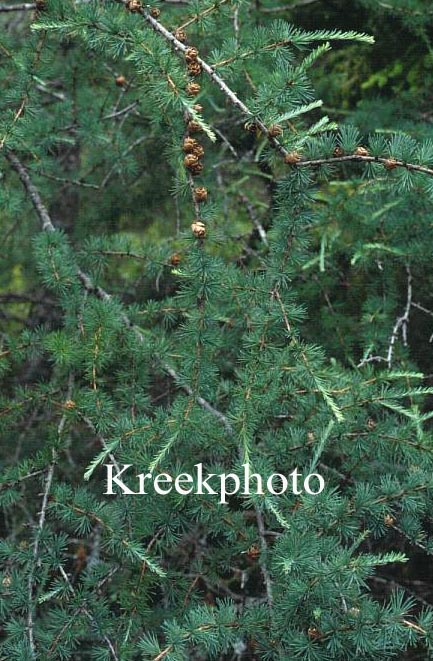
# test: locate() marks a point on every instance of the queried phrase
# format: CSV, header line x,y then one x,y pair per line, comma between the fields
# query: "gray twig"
x,y
23,6
89,615
293,5
402,322
264,547
39,530
256,222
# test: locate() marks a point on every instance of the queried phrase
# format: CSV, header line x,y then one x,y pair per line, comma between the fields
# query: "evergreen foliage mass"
x,y
204,261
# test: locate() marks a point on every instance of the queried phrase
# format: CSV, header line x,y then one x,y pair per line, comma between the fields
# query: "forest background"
x,y
157,313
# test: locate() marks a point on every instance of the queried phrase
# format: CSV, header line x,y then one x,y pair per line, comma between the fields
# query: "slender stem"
x,y
89,616
31,191
264,546
205,12
24,6
366,159
40,527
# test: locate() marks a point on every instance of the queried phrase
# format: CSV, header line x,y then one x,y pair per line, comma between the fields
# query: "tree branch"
x,y
41,522
386,162
97,291
89,616
31,191
402,322
274,142
288,7
229,93
24,6
264,547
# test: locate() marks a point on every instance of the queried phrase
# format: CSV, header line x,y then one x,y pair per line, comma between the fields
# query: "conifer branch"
x,y
89,616
389,163
40,527
103,295
273,141
202,14
229,93
32,192
100,293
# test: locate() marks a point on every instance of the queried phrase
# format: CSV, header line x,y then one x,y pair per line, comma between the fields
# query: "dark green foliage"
x,y
294,334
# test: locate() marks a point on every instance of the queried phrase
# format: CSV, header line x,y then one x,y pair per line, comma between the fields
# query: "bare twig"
x,y
89,616
40,527
35,557
55,95
292,5
23,6
393,584
18,480
31,191
202,14
402,322
422,308
70,182
124,111
371,359
252,214
111,171
226,142
264,547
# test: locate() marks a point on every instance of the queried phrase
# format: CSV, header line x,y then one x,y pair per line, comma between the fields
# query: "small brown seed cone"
x,y
191,161
390,163
175,259
180,36
198,150
191,54
361,151
194,68
133,6
275,130
198,229
200,194
194,127
196,169
192,89
292,158
189,144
